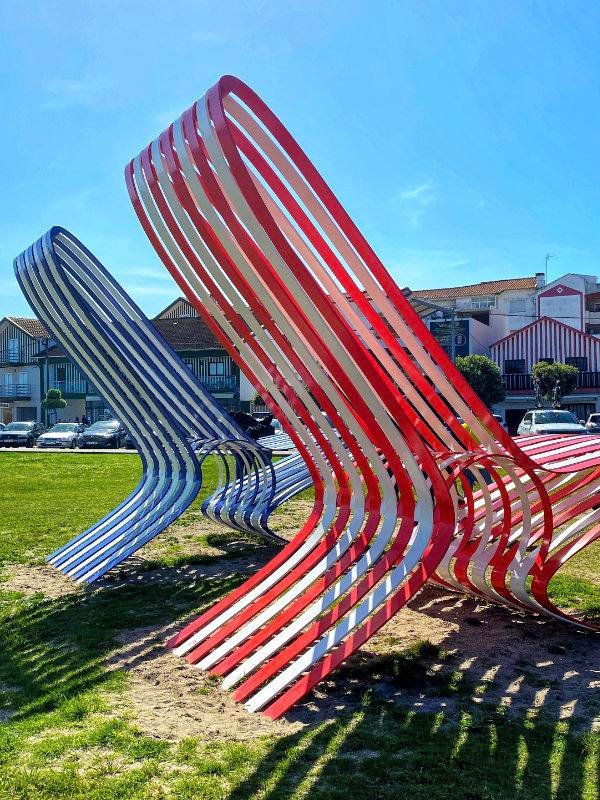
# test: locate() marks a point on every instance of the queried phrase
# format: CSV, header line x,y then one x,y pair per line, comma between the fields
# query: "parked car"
x,y
550,420
106,433
129,441
63,434
593,423
20,434
500,421
255,426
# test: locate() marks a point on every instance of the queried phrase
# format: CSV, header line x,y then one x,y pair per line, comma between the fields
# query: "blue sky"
x,y
463,137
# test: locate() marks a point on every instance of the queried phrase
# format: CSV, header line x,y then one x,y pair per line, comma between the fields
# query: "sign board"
x,y
4,405
442,331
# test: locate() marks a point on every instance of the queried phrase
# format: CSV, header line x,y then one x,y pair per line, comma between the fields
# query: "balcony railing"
x,y
70,387
11,357
524,383
219,382
15,391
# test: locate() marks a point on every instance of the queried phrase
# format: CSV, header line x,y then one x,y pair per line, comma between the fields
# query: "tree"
x,y
53,401
257,400
483,376
554,380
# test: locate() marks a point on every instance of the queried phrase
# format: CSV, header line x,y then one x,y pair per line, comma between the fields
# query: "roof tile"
x,y
186,333
31,326
474,289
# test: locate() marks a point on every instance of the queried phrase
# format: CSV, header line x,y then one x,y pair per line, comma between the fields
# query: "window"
x,y
514,366
13,350
485,301
517,305
577,361
547,360
216,368
554,417
527,418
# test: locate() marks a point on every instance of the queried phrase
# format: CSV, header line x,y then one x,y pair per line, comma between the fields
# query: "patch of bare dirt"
x,y
36,579
290,518
492,655
171,699
483,655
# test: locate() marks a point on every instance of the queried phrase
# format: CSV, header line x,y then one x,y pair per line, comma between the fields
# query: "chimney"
x,y
540,280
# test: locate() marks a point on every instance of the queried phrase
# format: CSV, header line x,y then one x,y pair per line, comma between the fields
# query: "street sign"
x,y
442,331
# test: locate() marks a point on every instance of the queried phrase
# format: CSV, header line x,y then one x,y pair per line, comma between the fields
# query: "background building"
x,y
49,367
20,388
518,322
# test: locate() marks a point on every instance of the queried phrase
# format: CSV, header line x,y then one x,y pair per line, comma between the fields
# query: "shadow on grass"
x,y
382,751
356,744
52,651
501,708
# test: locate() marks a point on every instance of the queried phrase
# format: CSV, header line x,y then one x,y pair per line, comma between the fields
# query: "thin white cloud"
x,y
86,92
428,269
149,272
415,200
421,192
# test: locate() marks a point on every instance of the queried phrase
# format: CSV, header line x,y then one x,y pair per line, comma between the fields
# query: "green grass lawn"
x,y
63,735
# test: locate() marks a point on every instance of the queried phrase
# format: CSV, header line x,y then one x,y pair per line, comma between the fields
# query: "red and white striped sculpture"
x,y
266,253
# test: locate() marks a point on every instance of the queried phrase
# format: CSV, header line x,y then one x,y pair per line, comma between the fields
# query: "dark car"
x,y
20,434
129,441
255,427
106,433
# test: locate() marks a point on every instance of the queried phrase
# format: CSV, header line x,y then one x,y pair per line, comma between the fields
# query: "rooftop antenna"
x,y
548,257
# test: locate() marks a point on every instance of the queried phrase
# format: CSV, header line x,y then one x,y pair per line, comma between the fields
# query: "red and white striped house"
x,y
519,321
547,339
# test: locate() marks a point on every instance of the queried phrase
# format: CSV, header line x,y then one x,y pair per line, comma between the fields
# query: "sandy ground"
x,y
496,656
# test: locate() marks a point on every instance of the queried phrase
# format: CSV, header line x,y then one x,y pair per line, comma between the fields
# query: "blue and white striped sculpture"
x,y
173,419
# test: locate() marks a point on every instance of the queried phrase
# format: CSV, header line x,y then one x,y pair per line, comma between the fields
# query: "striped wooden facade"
x,y
180,308
547,338
201,366
67,377
17,346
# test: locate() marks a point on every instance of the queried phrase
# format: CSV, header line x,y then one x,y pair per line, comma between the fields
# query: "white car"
x,y
64,434
593,423
550,420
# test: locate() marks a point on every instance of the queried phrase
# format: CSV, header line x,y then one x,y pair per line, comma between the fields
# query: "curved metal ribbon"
x,y
174,420
265,252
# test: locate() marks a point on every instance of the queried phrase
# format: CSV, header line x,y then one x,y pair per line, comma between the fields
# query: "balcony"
x,y
70,387
514,382
15,391
220,383
12,358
